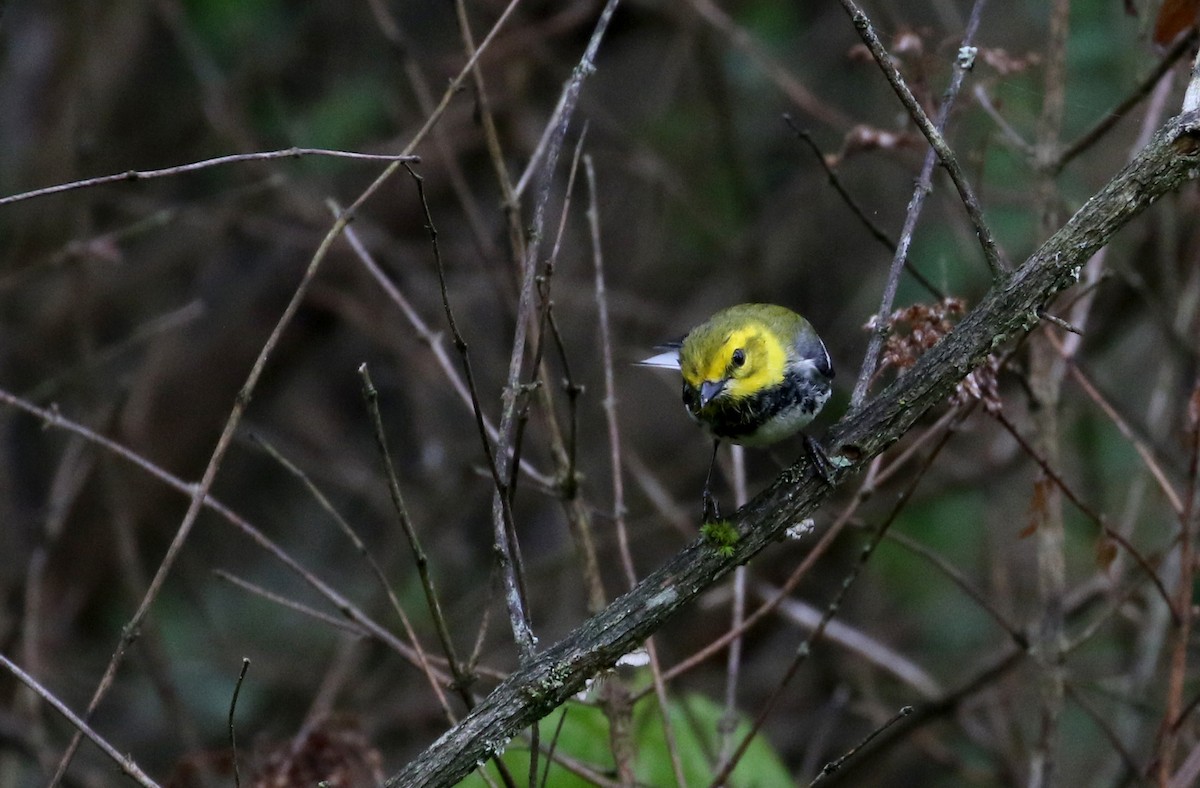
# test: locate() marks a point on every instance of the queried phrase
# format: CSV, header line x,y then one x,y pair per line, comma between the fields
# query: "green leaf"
x,y
695,721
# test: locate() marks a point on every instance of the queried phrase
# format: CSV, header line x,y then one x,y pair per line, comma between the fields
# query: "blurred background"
x,y
137,309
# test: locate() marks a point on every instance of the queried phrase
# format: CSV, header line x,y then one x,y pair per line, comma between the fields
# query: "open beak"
x,y
709,390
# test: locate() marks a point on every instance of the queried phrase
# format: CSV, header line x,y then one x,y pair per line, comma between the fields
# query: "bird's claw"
x,y
820,460
711,511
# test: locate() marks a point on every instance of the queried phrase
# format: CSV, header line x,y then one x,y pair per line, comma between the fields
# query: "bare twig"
x,y
53,418
833,766
924,185
733,660
877,232
614,441
431,338
579,520
126,763
505,534
396,36
371,396
855,640
977,596
237,688
1110,119
1139,445
1096,518
1183,605
151,329
866,31
787,83
515,591
180,169
419,650
290,604
1009,134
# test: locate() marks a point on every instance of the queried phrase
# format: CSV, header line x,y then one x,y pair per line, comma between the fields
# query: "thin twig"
x,y
1096,518
877,232
579,520
1007,132
505,534
833,766
506,519
237,688
1143,89
727,725
126,763
395,35
431,338
915,204
856,641
614,442
1140,446
419,650
180,169
578,517
53,418
290,604
991,253
516,596
977,596
1175,711
371,397
48,387
787,82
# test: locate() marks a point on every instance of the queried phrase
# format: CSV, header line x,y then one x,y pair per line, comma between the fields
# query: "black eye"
x,y
739,357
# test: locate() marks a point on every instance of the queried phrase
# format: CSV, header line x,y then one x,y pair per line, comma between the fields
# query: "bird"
x,y
753,374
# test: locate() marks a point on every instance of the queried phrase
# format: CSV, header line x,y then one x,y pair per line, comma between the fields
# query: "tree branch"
x,y
1009,310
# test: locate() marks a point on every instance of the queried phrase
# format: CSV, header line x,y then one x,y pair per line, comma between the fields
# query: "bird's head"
x,y
729,362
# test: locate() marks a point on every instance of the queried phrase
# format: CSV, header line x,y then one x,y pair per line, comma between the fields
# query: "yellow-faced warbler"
x,y
753,374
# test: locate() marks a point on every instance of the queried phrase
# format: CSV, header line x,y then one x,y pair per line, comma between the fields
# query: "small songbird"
x,y
753,374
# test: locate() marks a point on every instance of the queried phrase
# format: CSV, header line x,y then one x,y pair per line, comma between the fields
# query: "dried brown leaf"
x,y
1004,63
1175,18
1106,553
1039,506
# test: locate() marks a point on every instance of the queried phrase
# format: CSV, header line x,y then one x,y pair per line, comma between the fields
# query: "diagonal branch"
x,y
1007,311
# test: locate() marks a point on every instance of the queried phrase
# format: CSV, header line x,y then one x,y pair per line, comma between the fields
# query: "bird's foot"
x,y
711,511
820,460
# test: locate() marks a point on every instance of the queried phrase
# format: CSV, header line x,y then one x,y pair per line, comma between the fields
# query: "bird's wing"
x,y
812,349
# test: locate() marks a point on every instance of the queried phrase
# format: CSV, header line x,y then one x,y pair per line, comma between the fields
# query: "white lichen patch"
x,y
638,658
797,531
662,598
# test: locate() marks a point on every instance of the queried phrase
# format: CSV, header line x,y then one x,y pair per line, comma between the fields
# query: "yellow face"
x,y
748,359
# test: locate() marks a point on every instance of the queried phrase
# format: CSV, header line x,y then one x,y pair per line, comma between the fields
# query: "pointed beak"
x,y
709,390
